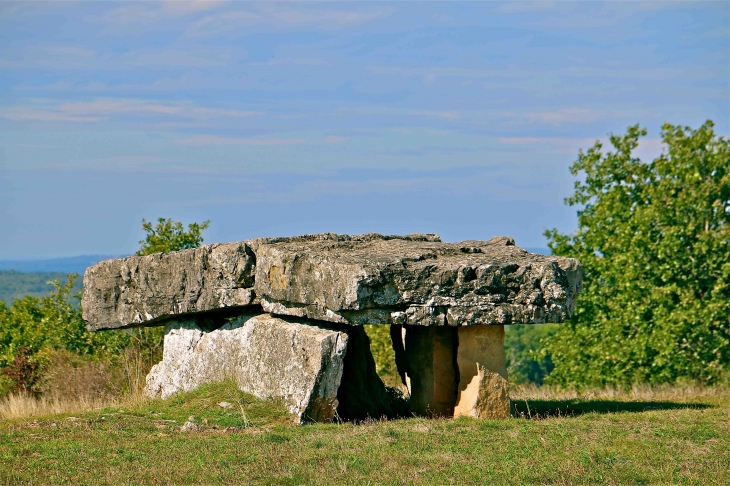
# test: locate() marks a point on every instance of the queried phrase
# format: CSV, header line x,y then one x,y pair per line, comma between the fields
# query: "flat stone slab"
x,y
366,279
144,290
265,355
415,282
147,290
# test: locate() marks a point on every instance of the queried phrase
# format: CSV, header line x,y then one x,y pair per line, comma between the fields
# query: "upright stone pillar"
x,y
431,372
482,390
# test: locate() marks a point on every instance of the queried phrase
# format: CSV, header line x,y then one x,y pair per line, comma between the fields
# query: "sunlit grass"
x,y
647,435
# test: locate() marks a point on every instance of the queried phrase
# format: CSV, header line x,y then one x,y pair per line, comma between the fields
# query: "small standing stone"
x,y
483,391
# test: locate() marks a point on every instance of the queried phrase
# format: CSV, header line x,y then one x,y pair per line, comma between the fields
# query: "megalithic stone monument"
x,y
447,302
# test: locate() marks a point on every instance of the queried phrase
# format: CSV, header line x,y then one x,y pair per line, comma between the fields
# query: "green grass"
x,y
606,440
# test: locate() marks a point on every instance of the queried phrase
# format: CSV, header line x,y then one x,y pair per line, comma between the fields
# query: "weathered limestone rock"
x,y
147,290
267,356
415,282
482,391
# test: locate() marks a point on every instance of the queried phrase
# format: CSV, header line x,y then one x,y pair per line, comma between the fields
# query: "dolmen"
x,y
283,317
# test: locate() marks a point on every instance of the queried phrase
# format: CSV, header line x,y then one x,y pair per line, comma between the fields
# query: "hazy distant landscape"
x,y
19,278
76,264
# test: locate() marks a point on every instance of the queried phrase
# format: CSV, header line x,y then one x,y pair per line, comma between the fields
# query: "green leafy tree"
x,y
167,236
525,361
33,327
654,241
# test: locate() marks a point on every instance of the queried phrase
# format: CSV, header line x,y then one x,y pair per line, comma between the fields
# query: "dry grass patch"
x,y
24,405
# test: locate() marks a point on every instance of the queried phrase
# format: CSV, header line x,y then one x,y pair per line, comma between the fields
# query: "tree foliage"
x,y
522,346
33,328
167,236
654,241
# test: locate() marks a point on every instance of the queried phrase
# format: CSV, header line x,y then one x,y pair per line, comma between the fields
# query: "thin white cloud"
x,y
111,107
104,109
512,74
167,57
30,114
189,7
566,115
208,140
445,115
449,115
282,17
67,57
146,13
516,7
559,141
335,139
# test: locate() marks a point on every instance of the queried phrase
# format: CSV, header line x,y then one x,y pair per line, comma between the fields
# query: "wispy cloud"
x,y
448,115
104,109
145,13
565,115
516,7
282,16
67,57
334,139
207,140
31,114
169,57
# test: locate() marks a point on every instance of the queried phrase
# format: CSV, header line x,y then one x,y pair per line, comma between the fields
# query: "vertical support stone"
x,y
482,390
432,374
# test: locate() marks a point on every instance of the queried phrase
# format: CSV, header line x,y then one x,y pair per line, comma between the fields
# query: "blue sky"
x,y
288,118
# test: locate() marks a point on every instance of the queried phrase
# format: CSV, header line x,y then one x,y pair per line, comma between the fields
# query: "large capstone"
x,y
411,282
148,290
266,356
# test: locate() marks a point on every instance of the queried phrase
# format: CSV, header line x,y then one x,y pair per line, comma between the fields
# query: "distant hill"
x,y
16,285
77,264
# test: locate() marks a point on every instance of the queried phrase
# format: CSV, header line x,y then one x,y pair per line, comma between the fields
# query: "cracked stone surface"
x,y
267,357
148,290
366,279
416,282
144,290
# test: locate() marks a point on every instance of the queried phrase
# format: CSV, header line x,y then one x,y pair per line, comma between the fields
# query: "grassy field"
x,y
669,436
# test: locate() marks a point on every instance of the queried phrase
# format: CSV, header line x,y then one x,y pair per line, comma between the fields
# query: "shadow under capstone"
x,y
362,394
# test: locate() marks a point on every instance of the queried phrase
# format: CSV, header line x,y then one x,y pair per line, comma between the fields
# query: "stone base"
x,y
266,355
454,371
